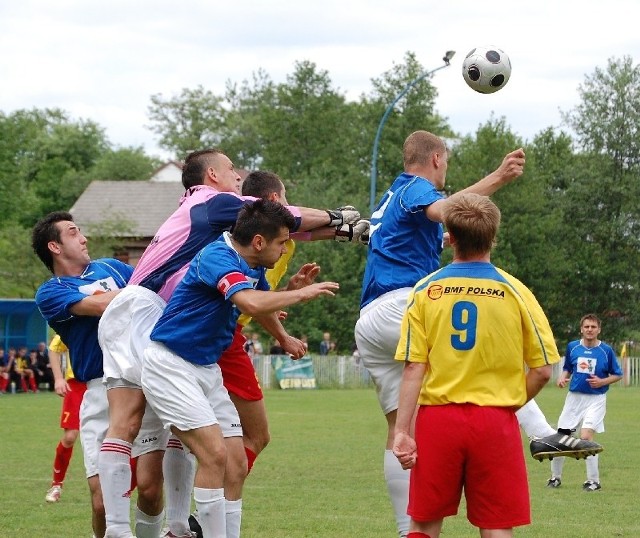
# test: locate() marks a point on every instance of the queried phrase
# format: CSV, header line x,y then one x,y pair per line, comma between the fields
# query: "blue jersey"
x,y
80,333
199,321
582,362
404,244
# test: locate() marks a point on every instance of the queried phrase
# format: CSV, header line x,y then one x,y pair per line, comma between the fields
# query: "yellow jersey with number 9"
x,y
476,327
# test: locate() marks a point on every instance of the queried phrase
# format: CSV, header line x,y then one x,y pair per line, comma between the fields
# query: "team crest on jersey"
x,y
435,292
587,365
99,286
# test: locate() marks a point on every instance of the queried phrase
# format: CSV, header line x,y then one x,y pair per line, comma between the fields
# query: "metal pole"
x,y
376,142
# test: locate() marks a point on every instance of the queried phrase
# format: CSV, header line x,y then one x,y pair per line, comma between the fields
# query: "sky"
x,y
103,61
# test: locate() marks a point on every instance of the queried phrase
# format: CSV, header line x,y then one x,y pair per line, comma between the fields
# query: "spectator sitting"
x,y
41,368
4,372
20,366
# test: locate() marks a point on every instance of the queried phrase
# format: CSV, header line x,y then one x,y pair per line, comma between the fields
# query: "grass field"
x,y
321,475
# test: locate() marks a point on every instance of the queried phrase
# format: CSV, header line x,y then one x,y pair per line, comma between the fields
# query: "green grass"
x,y
321,475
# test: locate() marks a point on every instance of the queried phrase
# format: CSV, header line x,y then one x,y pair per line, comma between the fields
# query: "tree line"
x,y
569,224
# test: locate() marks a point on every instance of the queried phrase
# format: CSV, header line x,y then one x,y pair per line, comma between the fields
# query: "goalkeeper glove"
x,y
354,233
343,215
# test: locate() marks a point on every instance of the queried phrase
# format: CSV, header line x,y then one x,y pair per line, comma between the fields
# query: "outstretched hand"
x,y
293,347
305,276
512,165
316,290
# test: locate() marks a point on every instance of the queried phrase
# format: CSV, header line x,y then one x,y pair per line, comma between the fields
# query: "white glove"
x,y
354,233
343,215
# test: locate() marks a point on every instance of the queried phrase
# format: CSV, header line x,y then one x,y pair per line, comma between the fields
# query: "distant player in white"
x,y
592,366
181,379
406,239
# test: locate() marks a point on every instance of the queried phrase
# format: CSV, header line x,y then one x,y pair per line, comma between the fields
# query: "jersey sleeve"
x,y
54,300
614,365
57,345
539,345
220,268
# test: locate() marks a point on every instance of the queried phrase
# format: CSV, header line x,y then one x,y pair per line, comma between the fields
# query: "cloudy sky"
x,y
103,60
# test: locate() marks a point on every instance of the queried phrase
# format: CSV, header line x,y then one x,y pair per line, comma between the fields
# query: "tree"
x,y
41,151
123,164
192,120
601,216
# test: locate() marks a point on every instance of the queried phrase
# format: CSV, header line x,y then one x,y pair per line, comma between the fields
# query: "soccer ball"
x,y
486,69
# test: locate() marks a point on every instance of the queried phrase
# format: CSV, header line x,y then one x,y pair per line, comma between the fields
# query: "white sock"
x,y
233,513
211,506
148,526
593,473
179,469
114,467
533,421
556,467
397,480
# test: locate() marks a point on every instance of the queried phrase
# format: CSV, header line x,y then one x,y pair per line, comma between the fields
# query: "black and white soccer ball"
x,y
486,69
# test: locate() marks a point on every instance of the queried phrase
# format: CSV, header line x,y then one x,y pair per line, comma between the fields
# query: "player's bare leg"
x,y
126,410
235,475
209,448
149,513
97,507
255,426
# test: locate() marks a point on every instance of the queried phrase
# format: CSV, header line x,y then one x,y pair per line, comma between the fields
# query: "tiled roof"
x,y
142,205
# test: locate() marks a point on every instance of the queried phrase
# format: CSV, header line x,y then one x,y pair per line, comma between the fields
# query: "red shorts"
x,y
238,374
475,448
70,417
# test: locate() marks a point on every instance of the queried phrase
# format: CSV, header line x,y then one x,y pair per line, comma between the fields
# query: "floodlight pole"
x,y
374,157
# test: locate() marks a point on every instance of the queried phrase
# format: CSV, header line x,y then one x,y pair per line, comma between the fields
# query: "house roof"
x,y
142,205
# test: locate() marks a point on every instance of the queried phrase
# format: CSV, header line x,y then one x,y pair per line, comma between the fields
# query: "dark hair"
x,y
195,166
262,217
45,231
261,184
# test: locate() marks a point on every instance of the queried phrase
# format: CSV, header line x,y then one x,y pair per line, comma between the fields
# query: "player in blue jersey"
x,y
72,302
406,239
181,379
592,366
475,346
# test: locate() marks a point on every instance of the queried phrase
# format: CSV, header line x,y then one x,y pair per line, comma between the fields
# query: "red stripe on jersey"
x,y
230,280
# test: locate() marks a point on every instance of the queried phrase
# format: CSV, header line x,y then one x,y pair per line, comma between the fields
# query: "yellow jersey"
x,y
58,346
476,327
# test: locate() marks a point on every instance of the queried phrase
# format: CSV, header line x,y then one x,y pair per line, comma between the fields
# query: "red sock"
x,y
416,534
251,457
32,384
61,463
4,381
134,478
23,384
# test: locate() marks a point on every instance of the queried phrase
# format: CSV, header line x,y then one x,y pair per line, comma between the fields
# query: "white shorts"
x,y
584,411
377,334
123,333
94,423
187,395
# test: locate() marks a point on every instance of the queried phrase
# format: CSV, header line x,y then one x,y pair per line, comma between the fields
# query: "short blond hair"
x,y
419,145
473,221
